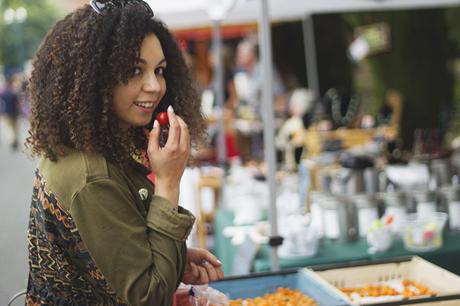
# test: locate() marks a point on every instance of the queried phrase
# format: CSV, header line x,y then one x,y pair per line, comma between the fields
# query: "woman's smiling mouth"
x,y
145,106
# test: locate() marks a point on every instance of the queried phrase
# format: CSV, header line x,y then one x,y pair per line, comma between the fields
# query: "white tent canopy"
x,y
179,14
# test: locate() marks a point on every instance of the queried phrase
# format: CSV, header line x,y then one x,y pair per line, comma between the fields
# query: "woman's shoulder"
x,y
71,172
76,164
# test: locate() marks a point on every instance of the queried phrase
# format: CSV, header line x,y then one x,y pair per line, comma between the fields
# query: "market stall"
x,y
330,249
200,13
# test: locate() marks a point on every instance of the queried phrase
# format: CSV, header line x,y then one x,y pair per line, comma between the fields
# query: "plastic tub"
x,y
260,284
423,233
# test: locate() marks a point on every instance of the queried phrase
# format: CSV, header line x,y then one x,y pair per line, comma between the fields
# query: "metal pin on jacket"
x,y
143,193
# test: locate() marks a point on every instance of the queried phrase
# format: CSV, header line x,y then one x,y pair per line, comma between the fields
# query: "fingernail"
x,y
170,109
218,261
155,124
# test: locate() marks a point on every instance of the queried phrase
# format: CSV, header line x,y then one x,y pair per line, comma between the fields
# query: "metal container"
x,y
442,171
425,202
348,220
339,218
451,197
371,180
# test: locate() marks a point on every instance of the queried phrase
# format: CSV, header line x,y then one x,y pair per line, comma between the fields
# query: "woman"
x,y
100,233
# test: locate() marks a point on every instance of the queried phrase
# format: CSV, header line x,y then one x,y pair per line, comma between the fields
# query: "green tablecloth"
x,y
334,252
222,245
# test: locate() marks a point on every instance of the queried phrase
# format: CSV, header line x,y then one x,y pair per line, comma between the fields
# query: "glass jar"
x,y
367,211
331,217
395,206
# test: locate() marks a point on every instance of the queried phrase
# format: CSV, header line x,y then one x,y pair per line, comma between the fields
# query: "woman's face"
x,y
135,101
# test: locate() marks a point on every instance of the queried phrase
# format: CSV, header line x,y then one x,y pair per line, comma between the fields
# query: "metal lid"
x,y
364,201
394,198
424,196
317,196
329,202
451,193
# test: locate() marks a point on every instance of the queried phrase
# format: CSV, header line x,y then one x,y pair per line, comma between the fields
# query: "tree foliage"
x,y
19,41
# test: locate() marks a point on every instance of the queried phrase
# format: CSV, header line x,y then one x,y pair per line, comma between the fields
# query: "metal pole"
x,y
310,54
269,135
219,90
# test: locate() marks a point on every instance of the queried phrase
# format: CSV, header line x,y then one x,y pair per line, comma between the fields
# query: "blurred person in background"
x,y
247,80
289,139
100,233
9,106
214,113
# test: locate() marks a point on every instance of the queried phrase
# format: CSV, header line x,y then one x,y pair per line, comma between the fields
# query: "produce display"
x,y
406,288
282,297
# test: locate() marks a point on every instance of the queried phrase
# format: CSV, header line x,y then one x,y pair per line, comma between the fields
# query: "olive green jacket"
x,y
119,243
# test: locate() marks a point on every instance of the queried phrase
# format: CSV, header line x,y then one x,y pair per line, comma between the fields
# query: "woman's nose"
x,y
151,83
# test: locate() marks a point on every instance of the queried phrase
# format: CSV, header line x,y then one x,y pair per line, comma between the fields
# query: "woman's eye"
x,y
160,71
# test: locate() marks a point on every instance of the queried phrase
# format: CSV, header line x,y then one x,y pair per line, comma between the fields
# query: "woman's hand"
x,y
202,267
168,162
183,298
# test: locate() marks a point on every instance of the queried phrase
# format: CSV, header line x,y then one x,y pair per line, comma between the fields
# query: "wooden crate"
x,y
443,282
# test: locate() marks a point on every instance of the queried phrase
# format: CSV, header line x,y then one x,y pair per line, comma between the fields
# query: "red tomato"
x,y
162,118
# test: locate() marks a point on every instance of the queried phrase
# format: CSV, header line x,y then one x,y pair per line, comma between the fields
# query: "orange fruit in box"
x,y
282,297
410,289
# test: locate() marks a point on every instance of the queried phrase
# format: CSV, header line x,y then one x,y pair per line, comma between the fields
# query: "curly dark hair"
x,y
81,60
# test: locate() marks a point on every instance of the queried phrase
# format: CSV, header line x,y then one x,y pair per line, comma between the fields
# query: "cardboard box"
x,y
443,282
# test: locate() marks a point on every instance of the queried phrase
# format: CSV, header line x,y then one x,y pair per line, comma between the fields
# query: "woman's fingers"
x,y
203,279
220,272
194,270
184,141
212,259
212,273
206,259
174,129
217,269
179,136
154,136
